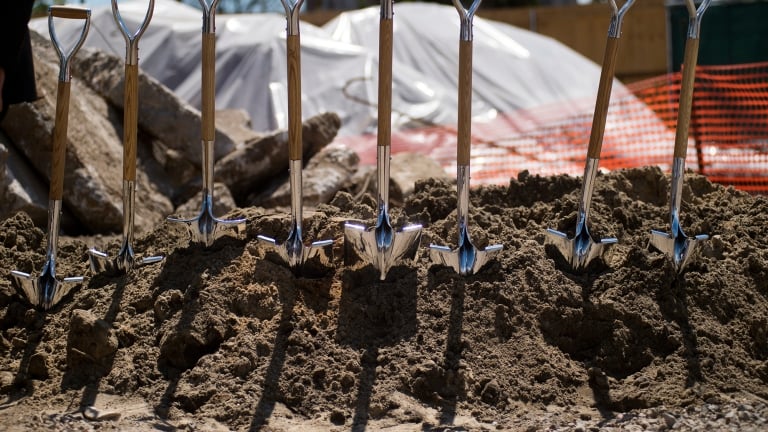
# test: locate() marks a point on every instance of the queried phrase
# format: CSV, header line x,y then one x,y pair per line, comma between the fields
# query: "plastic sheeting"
x,y
513,68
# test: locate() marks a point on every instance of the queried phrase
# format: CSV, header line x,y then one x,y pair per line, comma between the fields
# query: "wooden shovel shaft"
x,y
69,12
208,103
464,138
59,145
294,98
686,97
130,121
385,83
603,98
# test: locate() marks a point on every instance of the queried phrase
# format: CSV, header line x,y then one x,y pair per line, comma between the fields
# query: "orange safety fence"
x,y
728,139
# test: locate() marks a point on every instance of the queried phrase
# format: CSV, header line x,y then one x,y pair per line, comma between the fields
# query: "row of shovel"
x,y
381,245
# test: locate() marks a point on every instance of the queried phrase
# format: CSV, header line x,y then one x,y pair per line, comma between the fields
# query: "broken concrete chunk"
x,y
92,179
325,174
261,159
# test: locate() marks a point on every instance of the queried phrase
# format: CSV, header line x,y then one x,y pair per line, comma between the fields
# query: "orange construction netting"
x,y
728,140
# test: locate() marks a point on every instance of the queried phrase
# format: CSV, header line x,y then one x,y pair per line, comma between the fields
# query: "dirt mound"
x,y
227,337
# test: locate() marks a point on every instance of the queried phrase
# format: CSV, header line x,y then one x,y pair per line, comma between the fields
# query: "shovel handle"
x,y
65,56
69,12
59,145
464,134
686,97
208,103
130,120
132,39
384,135
603,98
294,97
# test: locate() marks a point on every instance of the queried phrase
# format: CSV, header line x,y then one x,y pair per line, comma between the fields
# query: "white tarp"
x,y
513,68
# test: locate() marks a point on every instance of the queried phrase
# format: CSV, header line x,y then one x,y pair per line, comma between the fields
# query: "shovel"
x,y
47,290
206,228
126,259
466,259
381,245
582,249
676,244
293,251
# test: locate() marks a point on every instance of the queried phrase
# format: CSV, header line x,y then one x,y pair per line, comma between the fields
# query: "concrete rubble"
x,y
251,167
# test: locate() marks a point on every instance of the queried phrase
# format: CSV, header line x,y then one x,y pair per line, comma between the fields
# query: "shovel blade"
x,y
679,247
44,291
312,260
206,229
124,262
362,242
581,250
464,260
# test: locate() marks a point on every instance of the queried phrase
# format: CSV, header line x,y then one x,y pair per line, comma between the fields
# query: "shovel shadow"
x,y
373,315
91,390
21,387
182,271
673,305
287,296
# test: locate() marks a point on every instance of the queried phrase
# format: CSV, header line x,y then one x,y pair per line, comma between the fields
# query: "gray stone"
x,y
97,414
408,168
92,180
405,170
246,169
20,188
163,115
325,174
6,381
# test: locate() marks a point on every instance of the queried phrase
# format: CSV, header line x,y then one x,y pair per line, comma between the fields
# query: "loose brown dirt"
x,y
226,338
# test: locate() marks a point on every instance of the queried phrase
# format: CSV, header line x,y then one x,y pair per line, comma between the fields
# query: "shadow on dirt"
x,y
375,314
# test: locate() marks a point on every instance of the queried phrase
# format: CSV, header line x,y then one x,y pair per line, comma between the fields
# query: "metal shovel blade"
x,y
381,245
44,291
206,228
124,262
313,259
579,251
465,259
677,245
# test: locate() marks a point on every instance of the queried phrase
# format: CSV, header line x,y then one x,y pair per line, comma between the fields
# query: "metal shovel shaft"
x,y
206,228
582,249
466,259
126,259
293,251
381,245
46,290
677,244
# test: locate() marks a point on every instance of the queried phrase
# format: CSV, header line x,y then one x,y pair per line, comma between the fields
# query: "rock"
x,y
324,175
407,168
669,419
162,114
261,159
96,414
92,190
90,339
38,366
236,123
20,189
6,381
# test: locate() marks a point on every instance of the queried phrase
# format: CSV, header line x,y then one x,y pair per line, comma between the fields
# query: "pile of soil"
x,y
226,337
